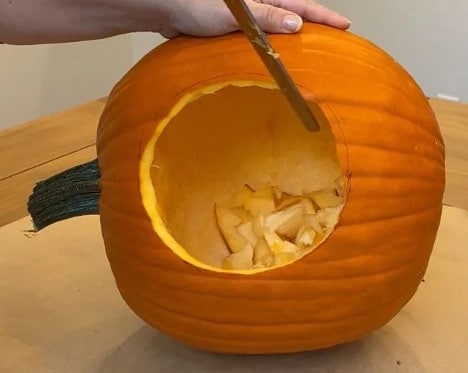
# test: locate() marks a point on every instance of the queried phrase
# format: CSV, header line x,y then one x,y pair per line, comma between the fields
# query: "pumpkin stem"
x,y
71,193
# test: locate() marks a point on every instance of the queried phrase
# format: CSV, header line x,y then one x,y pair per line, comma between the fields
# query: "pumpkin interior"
x,y
215,141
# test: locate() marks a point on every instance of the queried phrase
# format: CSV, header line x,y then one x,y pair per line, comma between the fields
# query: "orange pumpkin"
x,y
196,119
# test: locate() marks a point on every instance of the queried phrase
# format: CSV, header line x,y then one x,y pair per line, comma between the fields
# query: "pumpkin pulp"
x,y
213,142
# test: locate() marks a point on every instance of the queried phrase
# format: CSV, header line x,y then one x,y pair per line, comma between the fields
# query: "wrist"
x,y
142,16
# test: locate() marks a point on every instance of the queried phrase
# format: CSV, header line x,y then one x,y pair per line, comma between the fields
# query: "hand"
x,y
212,17
60,21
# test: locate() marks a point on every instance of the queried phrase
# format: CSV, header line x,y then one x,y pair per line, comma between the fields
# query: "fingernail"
x,y
292,23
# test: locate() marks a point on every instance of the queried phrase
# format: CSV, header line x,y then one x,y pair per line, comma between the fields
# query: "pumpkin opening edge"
x,y
216,140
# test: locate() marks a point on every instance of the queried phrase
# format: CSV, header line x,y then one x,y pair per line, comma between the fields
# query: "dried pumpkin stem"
x,y
71,193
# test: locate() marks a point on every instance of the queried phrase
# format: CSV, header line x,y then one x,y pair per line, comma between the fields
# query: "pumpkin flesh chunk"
x,y
279,229
240,185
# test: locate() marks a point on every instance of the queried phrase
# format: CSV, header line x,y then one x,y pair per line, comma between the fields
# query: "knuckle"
x,y
271,15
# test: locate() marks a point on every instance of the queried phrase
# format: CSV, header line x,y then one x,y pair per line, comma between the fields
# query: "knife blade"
x,y
272,61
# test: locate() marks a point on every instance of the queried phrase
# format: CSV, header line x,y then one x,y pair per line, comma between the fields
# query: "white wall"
x,y
429,38
37,80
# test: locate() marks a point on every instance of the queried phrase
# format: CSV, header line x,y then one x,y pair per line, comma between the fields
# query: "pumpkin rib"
x,y
403,124
391,88
314,300
386,196
439,161
261,281
241,346
368,173
258,325
332,36
432,181
388,73
386,219
108,148
426,144
329,96
135,215
384,108
357,59
305,303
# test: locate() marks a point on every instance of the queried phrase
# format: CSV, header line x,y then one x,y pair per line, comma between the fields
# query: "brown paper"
x,y
60,312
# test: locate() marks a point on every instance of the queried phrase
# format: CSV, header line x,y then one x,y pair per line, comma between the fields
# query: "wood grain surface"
x,y
453,121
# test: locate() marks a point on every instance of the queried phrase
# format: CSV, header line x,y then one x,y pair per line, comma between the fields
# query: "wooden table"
x,y
60,310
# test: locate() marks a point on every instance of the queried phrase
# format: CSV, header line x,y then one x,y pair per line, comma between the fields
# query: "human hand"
x,y
212,17
60,21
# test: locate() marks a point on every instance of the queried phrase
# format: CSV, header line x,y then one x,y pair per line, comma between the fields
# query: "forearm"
x,y
58,21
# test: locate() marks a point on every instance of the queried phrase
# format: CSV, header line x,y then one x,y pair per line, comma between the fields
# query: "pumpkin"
x,y
199,123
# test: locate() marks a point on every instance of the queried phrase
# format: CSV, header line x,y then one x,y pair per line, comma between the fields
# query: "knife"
x,y
271,59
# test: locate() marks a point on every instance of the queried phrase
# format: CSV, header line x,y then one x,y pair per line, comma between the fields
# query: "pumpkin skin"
x,y
390,149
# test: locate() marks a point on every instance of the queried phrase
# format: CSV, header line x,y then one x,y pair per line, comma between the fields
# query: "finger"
x,y
311,11
275,20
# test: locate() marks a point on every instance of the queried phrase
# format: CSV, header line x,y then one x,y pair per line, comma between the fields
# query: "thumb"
x,y
276,20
